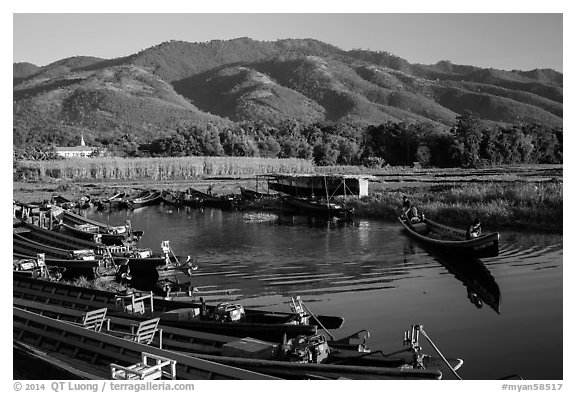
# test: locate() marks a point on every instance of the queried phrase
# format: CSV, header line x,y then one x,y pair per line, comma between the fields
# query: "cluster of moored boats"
x,y
52,239
247,199
88,333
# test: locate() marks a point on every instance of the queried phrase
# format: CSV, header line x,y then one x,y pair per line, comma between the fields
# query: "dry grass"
x,y
161,168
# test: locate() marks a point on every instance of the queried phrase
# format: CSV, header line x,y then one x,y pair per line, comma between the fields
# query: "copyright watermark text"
x,y
101,386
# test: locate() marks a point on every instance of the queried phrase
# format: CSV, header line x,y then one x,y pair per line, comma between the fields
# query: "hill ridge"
x,y
222,82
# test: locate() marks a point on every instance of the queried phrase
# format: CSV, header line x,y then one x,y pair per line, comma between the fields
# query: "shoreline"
x,y
534,206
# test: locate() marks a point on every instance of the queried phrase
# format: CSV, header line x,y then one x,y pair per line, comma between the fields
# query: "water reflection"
x,y
481,286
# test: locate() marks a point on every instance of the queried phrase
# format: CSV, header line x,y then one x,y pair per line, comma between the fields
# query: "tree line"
x,y
471,142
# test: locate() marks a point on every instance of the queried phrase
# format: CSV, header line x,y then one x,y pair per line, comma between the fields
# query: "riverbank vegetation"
x,y
518,205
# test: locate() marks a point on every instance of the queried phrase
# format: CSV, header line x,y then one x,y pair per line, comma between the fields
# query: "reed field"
x,y
160,168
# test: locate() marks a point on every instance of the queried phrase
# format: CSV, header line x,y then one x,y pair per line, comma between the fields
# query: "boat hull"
x,y
314,208
456,243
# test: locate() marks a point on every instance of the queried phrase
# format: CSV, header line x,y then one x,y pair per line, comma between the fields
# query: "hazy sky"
x,y
503,41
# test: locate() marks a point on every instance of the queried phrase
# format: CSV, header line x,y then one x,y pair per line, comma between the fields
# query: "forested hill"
x,y
219,84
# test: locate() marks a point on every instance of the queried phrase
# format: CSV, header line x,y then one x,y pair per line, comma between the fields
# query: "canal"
x,y
502,316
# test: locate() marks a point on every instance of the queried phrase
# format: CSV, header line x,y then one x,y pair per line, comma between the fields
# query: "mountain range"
x,y
151,93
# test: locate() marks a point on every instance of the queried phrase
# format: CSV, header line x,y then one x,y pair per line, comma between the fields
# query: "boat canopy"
x,y
319,185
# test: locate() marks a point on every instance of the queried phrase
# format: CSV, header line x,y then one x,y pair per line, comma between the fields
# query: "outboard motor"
x,y
411,339
226,312
306,349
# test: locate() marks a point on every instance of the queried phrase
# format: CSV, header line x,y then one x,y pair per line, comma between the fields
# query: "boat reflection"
x,y
481,286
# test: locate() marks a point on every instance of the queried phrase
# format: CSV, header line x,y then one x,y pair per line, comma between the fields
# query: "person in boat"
x,y
413,215
405,205
475,230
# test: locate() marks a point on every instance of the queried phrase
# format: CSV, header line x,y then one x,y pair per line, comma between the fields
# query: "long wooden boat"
x,y
98,268
150,198
193,197
118,200
315,207
262,324
88,229
30,363
141,261
449,240
91,232
97,350
282,360
80,258
169,198
251,195
59,239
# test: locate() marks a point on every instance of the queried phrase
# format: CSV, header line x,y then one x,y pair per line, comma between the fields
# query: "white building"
x,y
75,151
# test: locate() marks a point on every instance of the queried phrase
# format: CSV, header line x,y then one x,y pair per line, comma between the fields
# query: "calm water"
x,y
370,273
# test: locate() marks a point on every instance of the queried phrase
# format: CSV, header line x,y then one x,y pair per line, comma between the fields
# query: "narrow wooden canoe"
x,y
86,228
315,207
199,198
150,198
451,240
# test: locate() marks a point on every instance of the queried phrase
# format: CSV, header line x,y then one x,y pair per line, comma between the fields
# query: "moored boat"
x,y
260,324
251,195
88,229
315,206
299,358
449,240
30,240
147,198
169,198
93,350
193,197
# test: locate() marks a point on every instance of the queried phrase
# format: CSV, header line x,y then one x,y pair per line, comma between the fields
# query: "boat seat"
x,y
134,303
142,333
157,369
94,320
